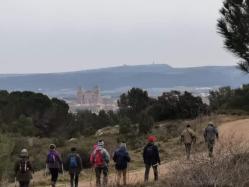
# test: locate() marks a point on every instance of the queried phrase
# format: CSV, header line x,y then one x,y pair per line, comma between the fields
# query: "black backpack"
x,y
150,151
24,166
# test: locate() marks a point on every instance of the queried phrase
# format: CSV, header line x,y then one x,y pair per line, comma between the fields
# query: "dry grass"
x,y
229,168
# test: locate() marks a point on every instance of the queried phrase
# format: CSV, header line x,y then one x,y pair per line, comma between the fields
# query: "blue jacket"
x,y
121,158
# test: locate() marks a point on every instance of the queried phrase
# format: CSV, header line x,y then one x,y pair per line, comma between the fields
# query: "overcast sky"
x,y
68,35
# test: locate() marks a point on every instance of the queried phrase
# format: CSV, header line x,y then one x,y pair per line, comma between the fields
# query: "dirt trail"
x,y
238,130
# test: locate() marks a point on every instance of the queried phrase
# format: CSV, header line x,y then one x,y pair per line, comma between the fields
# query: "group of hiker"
x,y
100,159
188,137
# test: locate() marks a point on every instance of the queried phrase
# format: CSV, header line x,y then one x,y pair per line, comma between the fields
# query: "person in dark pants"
x,y
210,134
188,137
23,169
151,158
100,159
74,165
54,164
121,158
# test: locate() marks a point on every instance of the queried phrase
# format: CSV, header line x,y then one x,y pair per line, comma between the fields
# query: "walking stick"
x,y
15,182
62,170
91,177
45,171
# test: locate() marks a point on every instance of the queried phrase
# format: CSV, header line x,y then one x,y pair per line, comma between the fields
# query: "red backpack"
x,y
98,158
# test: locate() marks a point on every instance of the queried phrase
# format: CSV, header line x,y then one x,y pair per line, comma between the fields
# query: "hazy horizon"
x,y
115,66
62,36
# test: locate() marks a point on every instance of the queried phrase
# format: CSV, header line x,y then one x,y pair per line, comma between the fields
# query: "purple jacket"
x,y
56,160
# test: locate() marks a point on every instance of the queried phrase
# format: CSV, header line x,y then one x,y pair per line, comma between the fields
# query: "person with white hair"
x,y
100,159
121,158
210,134
23,169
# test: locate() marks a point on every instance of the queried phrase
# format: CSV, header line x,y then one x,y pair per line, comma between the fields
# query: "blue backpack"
x,y
73,162
121,160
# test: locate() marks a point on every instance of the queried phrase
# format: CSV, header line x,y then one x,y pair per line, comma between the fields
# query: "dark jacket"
x,y
151,154
20,175
211,133
121,158
79,163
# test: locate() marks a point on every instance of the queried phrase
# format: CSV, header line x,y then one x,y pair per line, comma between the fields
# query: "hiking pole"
x,y
62,170
127,175
15,182
45,171
91,177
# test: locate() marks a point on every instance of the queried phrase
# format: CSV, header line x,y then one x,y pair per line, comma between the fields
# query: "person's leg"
x,y
124,176
188,150
21,184
71,178
155,173
98,174
147,172
105,179
76,179
118,177
210,148
54,176
26,184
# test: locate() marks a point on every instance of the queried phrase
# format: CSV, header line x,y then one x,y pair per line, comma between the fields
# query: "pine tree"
x,y
234,27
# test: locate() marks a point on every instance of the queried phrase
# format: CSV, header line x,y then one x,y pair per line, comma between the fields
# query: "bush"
x,y
6,147
125,125
145,123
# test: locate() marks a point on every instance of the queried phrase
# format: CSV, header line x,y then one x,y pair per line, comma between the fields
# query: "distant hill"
x,y
118,78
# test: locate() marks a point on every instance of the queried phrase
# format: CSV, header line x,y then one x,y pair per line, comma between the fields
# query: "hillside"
x,y
120,78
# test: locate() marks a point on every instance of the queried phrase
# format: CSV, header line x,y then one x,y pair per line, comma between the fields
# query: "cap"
x,y
151,138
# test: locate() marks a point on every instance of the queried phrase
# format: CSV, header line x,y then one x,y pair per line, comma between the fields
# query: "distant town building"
x,y
89,97
93,101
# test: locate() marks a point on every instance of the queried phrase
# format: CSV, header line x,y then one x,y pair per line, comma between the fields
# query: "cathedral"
x,y
93,101
89,97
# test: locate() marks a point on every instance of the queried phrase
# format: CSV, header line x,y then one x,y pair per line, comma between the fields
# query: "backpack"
x,y
98,158
51,157
150,151
73,162
23,166
121,160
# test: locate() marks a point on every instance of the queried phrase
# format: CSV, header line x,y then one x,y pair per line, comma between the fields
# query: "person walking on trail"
x,y
74,166
151,158
53,164
94,147
210,134
100,159
188,137
23,169
121,158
